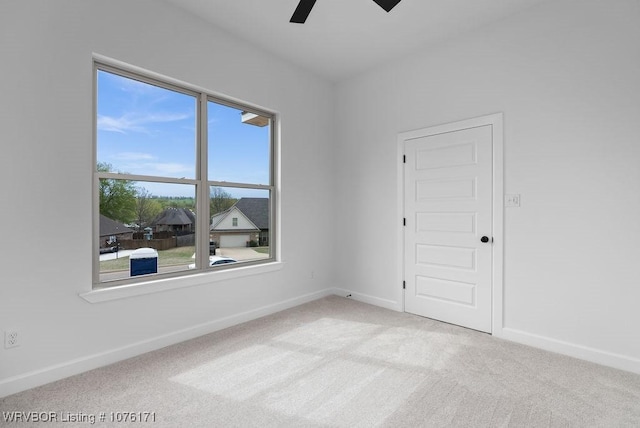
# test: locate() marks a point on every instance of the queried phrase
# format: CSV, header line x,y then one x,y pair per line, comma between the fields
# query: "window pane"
x,y
238,145
239,230
135,215
148,129
144,129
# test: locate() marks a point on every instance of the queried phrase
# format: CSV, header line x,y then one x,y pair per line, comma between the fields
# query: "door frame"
x,y
496,120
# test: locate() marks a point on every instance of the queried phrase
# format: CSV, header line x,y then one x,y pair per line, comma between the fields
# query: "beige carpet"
x,y
337,362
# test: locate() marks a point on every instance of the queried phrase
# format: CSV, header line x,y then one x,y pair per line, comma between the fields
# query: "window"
x,y
184,180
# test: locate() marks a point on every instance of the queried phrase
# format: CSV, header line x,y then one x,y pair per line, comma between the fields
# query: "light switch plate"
x,y
511,201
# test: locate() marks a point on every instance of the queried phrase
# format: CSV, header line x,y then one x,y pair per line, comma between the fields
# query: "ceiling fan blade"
x,y
387,4
302,11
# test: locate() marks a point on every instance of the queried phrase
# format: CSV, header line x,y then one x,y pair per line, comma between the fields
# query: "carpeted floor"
x,y
337,362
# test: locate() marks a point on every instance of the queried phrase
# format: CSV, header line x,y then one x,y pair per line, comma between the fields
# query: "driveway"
x,y
241,253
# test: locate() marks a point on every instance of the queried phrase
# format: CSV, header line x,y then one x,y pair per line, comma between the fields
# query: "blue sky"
x,y
148,130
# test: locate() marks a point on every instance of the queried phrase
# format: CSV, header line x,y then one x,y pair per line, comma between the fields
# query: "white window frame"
x,y
148,283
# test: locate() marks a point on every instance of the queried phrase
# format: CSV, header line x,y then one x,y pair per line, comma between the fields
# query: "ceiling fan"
x,y
304,8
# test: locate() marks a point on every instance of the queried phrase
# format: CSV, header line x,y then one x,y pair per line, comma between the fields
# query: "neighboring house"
x,y
175,220
246,221
111,230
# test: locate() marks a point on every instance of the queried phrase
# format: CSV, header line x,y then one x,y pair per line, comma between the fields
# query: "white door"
x,y
448,199
233,241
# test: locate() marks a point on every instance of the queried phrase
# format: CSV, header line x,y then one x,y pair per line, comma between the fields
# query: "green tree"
x,y
147,208
176,202
117,197
220,200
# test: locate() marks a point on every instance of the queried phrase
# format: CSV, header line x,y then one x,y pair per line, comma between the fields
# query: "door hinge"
x,y
404,285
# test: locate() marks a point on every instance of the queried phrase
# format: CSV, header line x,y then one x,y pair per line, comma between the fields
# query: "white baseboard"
x,y
52,373
372,300
593,355
586,353
49,374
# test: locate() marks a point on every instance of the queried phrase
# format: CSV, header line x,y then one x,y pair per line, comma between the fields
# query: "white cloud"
x,y
136,87
133,156
132,85
171,169
112,124
136,122
167,169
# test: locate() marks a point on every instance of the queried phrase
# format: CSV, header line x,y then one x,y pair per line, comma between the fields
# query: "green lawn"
x,y
174,256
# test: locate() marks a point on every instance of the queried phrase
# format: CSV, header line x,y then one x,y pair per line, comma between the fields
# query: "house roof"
x,y
256,210
175,216
217,218
217,221
109,227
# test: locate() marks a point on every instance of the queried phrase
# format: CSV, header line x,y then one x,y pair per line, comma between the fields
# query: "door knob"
x,y
484,239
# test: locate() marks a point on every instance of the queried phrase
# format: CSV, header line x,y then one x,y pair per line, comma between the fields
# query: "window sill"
x,y
159,285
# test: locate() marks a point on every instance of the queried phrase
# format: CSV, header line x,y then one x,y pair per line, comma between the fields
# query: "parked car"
x,y
106,250
215,261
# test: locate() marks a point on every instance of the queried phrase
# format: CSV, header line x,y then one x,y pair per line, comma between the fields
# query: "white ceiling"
x,y
344,37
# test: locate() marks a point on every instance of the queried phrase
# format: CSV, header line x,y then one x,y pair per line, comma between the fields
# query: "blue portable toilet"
x,y
143,261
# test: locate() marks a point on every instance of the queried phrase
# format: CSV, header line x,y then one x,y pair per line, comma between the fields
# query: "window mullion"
x,y
240,185
202,236
147,178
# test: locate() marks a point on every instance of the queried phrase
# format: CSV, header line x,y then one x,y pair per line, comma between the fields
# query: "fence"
x,y
156,235
162,242
158,244
186,240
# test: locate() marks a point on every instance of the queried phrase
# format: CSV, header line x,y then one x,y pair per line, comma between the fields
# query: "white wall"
x,y
45,180
566,76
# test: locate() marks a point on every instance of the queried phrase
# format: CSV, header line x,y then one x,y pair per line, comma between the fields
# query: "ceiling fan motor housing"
x,y
303,10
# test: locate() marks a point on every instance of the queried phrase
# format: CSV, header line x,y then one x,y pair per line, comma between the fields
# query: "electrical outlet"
x,y
511,201
11,339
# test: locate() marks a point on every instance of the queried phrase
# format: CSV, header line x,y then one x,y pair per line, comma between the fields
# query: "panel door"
x,y
448,210
233,241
